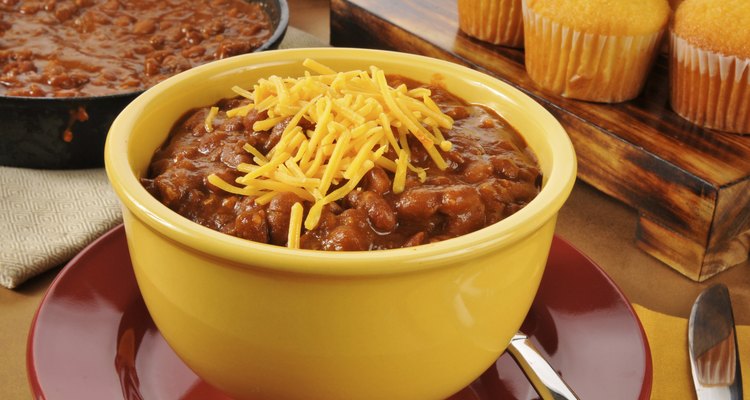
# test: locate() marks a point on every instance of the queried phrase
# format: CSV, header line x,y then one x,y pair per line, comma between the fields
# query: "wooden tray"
x,y
690,186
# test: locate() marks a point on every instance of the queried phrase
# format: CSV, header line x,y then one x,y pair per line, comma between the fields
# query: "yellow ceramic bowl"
x,y
266,322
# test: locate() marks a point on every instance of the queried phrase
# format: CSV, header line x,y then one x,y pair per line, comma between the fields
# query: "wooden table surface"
x,y
598,225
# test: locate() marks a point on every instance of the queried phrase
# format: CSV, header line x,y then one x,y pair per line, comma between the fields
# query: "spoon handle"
x,y
545,380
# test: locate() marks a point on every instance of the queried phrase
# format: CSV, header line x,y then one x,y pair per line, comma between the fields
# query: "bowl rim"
x,y
248,254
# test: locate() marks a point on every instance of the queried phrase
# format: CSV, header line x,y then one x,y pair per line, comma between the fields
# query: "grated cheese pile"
x,y
358,118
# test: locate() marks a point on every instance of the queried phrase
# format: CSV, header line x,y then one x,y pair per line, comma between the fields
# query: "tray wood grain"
x,y
690,186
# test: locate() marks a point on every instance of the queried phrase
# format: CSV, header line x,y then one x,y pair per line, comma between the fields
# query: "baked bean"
x,y
456,113
460,206
314,239
192,38
151,66
487,123
234,156
212,28
165,188
278,214
251,224
455,157
504,166
142,49
377,180
357,220
67,81
251,118
232,125
194,52
345,238
419,203
275,136
519,192
463,208
144,26
111,5
493,199
251,30
23,66
477,170
231,48
65,11
31,7
160,55
416,239
175,63
530,173
123,20
175,35
157,41
33,90
378,210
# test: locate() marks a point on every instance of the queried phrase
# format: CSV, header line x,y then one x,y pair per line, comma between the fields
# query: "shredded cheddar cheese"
x,y
209,122
357,117
295,225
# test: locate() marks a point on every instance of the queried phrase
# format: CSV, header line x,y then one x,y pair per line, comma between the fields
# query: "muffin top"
x,y
721,26
606,17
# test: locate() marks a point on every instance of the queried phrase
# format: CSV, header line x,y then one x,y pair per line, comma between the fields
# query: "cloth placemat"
x,y
47,216
667,337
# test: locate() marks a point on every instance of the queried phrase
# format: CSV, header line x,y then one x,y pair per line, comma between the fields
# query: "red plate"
x,y
92,337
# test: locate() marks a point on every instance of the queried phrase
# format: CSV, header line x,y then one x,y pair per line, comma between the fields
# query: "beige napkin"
x,y
47,216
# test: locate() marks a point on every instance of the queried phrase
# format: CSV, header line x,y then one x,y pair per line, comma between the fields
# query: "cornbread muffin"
x,y
709,57
595,50
494,21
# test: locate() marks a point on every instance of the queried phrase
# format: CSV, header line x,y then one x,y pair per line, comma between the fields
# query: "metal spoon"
x,y
545,380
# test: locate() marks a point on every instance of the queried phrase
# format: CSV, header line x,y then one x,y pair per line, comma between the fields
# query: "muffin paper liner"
x,y
494,21
709,89
586,66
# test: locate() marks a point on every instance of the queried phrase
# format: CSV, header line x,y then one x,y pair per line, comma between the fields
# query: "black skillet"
x,y
68,133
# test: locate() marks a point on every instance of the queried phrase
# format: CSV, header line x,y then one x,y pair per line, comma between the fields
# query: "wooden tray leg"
x,y
688,257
